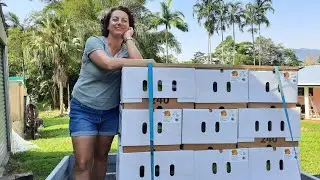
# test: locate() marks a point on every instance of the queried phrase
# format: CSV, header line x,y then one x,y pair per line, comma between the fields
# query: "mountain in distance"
x,y
303,53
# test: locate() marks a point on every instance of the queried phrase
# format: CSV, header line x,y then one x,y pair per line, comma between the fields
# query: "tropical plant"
x,y
169,19
251,20
205,12
235,16
53,42
262,7
223,24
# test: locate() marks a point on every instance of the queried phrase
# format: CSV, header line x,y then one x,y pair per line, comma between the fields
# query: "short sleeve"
x,y
92,44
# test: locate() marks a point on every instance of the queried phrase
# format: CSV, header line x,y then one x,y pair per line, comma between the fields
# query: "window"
x,y
301,91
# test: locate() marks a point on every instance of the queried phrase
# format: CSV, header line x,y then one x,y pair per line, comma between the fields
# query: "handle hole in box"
x,y
144,128
269,126
171,170
282,126
268,165
215,86
159,85
214,168
228,167
257,126
144,85
141,171
281,164
217,127
267,87
228,87
157,171
174,85
159,127
203,127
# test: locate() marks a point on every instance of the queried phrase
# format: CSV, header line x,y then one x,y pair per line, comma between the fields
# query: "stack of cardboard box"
x,y
210,122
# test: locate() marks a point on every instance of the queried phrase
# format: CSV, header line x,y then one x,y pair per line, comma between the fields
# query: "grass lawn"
x,y
55,143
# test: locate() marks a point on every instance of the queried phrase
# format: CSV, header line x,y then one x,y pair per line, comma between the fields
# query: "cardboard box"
x,y
203,126
135,127
221,86
168,165
263,86
176,83
276,164
222,165
159,103
268,123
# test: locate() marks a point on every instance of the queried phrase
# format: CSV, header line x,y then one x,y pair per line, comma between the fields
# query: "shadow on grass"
x,y
54,133
52,121
39,163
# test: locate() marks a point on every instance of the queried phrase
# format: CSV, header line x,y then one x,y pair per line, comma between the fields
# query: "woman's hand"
x,y
129,33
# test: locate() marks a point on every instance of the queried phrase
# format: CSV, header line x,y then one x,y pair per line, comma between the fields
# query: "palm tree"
x,y
150,42
222,12
262,7
169,18
53,42
206,11
250,20
235,16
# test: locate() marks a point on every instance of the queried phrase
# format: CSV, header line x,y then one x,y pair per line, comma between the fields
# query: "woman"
x,y
94,109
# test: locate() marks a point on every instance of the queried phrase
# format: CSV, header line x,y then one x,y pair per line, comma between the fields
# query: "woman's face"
x,y
119,23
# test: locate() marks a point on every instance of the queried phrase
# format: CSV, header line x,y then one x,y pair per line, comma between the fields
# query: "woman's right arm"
x,y
94,49
100,58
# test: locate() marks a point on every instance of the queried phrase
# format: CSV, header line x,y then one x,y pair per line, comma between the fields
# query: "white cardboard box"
x,y
268,123
227,86
135,127
169,165
200,126
267,163
263,86
224,165
175,82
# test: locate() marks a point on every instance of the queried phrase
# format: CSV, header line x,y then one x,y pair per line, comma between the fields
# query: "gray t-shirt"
x,y
98,88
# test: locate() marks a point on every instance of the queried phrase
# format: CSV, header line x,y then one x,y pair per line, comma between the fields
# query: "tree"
x,y
53,42
199,58
251,20
235,16
169,19
226,52
262,7
205,11
272,54
291,58
223,22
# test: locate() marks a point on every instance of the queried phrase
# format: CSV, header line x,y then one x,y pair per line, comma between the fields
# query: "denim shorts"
x,y
85,121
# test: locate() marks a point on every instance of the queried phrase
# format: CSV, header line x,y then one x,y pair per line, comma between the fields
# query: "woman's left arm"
x,y
133,50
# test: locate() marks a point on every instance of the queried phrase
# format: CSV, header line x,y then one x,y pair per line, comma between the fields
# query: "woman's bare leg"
x,y
101,156
84,156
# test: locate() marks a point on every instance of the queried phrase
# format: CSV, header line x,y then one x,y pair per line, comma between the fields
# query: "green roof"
x,y
17,78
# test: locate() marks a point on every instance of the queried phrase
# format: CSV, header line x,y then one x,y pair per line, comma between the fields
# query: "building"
x,y
5,125
309,91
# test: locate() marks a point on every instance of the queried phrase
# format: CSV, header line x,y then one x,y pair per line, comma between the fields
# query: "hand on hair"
x,y
129,33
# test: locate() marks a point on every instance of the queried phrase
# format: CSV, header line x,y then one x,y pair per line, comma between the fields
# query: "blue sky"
x,y
295,24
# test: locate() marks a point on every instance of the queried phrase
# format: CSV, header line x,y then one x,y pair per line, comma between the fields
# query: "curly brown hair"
x,y
106,19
